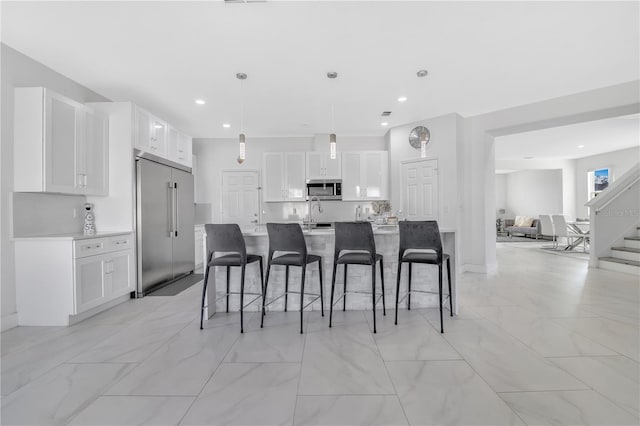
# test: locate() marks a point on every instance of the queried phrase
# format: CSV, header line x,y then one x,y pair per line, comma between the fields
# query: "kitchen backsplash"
x,y
37,214
332,211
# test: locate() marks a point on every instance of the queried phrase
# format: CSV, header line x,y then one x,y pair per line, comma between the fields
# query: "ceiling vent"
x,y
386,113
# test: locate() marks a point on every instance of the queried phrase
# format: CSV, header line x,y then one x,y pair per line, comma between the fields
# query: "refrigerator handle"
x,y
170,209
176,218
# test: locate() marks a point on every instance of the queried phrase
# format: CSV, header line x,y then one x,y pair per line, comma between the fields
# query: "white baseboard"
x,y
479,269
9,321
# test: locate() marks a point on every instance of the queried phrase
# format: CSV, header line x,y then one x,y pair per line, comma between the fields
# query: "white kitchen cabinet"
x,y
365,175
59,145
179,147
320,166
150,133
283,176
75,278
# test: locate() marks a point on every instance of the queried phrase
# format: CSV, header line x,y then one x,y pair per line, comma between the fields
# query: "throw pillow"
x,y
527,222
517,221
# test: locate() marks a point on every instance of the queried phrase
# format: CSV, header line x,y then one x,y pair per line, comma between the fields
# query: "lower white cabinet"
x,y
58,279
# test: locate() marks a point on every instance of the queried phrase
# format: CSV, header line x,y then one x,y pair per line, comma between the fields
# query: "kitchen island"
x,y
321,242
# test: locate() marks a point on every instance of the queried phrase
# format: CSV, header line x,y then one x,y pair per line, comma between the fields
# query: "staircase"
x,y
624,259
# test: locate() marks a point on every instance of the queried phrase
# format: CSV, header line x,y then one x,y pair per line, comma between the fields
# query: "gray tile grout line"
x,y
304,344
210,377
375,342
112,384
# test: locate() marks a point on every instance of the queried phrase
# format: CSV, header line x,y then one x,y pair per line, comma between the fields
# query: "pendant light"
x,y
241,138
332,137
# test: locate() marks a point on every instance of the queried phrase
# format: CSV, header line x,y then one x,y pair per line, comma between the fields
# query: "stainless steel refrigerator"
x,y
165,214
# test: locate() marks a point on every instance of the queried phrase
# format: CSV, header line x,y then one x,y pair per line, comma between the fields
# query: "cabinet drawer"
x,y
90,247
120,242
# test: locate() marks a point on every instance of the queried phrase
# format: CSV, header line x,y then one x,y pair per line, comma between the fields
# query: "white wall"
x,y
534,192
443,146
20,71
216,155
501,195
618,161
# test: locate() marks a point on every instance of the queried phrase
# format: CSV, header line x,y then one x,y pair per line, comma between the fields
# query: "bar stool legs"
x,y
448,260
228,279
264,294
286,288
204,293
304,269
344,295
242,299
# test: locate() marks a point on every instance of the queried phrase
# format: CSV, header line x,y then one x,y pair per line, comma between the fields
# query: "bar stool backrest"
x,y
225,238
423,235
286,237
355,236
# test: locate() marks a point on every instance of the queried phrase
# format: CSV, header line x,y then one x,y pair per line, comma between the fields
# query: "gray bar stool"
x,y
423,235
357,238
227,238
288,237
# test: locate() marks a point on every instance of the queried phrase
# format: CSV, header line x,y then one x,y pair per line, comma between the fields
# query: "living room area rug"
x,y
516,239
545,247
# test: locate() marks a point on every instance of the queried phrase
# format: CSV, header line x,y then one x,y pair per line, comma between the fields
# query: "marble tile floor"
x,y
544,340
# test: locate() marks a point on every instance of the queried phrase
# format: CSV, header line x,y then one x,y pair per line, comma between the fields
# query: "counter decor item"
x,y
89,220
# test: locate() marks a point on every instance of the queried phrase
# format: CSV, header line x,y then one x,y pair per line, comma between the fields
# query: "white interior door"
x,y
420,189
240,197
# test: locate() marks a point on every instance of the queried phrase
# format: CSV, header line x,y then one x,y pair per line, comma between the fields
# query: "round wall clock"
x,y
415,137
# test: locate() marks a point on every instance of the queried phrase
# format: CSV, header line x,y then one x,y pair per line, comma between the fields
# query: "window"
x,y
598,181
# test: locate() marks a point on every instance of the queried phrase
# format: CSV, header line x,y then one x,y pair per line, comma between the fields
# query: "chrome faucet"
x,y
317,200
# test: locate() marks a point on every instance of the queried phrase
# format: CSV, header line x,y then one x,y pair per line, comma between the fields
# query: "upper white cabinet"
x,y
284,176
365,175
151,133
59,145
157,137
320,166
179,147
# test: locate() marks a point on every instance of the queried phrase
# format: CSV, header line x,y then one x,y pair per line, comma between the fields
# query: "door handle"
x,y
175,209
170,208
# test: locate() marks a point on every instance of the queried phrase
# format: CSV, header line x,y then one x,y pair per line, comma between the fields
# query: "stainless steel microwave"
x,y
325,189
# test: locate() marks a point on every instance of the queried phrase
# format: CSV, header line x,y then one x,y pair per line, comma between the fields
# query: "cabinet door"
x,y
96,154
315,168
273,176
184,149
375,175
295,176
172,143
158,142
143,130
198,240
352,189
332,168
89,283
61,127
119,274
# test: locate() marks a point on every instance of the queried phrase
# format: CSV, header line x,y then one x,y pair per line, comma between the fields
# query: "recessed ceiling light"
x,y
200,101
226,125
528,158
384,123
422,73
580,146
402,99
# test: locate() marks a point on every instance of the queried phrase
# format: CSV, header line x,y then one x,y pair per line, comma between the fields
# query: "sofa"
x,y
520,225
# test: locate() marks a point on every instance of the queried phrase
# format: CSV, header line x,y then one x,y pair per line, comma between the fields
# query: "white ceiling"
x,y
481,56
595,137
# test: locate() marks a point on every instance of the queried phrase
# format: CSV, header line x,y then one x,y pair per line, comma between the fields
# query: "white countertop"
x,y
73,236
261,230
